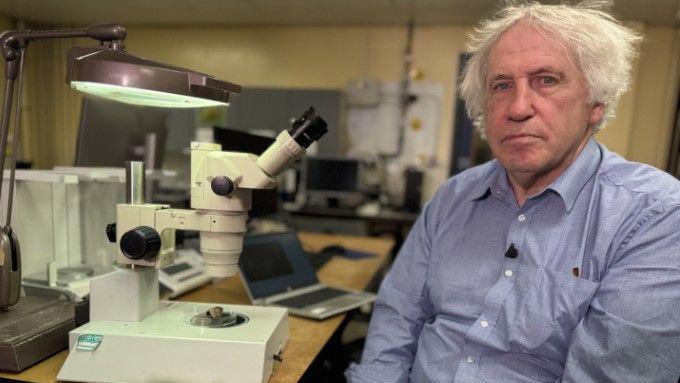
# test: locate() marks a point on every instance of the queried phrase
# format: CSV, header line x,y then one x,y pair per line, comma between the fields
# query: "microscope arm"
x,y
147,236
221,236
187,219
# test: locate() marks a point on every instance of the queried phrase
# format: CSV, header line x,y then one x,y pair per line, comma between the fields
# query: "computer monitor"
x,y
332,177
264,201
111,133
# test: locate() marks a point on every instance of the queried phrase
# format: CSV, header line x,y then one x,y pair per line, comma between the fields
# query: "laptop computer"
x,y
276,271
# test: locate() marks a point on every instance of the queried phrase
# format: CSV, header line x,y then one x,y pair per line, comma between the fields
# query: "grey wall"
x,y
274,109
181,129
266,109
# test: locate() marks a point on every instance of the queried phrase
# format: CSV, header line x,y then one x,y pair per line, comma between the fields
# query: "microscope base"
x,y
166,347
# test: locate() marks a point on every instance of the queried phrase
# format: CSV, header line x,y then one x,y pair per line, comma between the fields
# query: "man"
x,y
559,260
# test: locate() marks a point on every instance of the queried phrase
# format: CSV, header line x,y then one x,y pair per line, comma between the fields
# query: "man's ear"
x,y
596,114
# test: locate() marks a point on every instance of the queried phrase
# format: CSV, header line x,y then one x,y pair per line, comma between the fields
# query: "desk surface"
x,y
307,337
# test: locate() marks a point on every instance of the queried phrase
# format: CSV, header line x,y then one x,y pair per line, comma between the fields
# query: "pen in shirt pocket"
x,y
576,272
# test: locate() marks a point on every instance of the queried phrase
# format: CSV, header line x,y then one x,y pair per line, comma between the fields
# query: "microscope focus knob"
x,y
111,232
140,242
222,185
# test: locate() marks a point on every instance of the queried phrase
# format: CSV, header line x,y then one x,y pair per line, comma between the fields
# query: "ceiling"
x,y
292,12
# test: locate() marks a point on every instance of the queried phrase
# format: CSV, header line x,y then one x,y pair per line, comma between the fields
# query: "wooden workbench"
x,y
307,337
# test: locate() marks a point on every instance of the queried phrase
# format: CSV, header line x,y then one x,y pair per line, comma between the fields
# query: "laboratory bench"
x,y
307,337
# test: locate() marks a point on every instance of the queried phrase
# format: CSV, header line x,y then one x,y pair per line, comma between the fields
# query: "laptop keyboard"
x,y
311,298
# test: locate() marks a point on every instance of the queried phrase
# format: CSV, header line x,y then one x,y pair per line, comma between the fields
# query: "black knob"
x,y
111,232
222,185
140,242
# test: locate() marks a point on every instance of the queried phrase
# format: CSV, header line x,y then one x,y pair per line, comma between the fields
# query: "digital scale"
x,y
73,283
61,227
81,204
186,274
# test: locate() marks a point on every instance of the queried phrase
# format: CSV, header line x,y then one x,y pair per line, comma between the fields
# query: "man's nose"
x,y
521,107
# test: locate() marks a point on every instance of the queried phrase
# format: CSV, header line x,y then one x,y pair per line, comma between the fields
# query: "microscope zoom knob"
x,y
111,232
222,185
140,242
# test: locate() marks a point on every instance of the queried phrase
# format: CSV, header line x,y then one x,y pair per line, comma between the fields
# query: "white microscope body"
x,y
134,337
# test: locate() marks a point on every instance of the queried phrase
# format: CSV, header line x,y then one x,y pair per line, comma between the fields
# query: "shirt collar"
x,y
570,183
567,185
496,182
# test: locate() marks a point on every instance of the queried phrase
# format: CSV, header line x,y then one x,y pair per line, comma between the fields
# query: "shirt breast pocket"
x,y
542,310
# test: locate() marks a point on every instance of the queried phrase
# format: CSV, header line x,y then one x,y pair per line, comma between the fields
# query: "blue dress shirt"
x,y
592,296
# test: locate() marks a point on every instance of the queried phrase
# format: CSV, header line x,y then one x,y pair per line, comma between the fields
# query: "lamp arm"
x,y
12,41
10,70
10,257
15,142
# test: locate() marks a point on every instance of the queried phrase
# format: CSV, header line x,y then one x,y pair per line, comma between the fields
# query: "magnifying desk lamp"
x,y
106,71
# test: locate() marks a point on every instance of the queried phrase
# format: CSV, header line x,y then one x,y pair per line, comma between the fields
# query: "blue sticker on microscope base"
x,y
89,342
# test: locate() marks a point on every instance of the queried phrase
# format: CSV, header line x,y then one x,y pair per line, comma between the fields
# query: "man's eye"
x,y
547,80
501,86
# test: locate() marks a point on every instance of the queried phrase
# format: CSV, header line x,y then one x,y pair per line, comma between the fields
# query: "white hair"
x,y
602,49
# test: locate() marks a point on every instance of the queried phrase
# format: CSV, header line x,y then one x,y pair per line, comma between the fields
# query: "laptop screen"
x,y
274,263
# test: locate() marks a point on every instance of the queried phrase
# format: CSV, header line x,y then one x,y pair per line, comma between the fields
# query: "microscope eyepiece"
x,y
308,128
290,145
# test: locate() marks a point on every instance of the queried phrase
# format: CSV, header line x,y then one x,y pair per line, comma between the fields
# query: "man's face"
x,y
536,109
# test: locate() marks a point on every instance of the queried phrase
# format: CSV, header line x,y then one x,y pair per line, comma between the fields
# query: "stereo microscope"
x,y
134,337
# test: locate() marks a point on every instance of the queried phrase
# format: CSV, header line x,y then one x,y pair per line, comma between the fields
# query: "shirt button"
x,y
469,359
484,323
508,273
521,217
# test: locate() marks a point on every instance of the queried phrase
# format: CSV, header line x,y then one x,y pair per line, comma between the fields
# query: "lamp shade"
x,y
116,75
